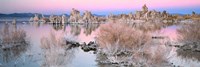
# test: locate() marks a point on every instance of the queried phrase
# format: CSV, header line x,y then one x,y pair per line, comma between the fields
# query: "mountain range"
x,y
21,15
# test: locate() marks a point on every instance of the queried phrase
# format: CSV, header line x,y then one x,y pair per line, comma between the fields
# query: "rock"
x,y
31,19
75,44
158,37
44,19
72,44
14,21
74,15
91,43
51,18
83,44
36,18
130,15
164,14
144,8
64,19
193,13
177,46
55,19
88,17
138,14
186,47
91,46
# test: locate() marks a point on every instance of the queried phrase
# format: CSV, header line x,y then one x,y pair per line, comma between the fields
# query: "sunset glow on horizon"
x,y
97,6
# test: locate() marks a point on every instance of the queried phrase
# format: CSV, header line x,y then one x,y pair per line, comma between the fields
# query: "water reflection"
x,y
58,27
75,29
88,28
13,53
51,49
55,51
13,45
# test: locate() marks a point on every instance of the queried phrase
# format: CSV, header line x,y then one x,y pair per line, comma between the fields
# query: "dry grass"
x,y
123,44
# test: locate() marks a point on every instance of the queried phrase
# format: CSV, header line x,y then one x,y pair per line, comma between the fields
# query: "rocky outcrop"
x,y
64,19
88,17
144,9
44,19
14,21
74,15
36,18
143,15
55,19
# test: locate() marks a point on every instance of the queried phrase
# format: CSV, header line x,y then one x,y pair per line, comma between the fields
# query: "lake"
x,y
33,55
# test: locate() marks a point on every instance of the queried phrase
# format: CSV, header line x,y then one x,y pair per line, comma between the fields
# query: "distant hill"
x,y
17,15
99,15
24,15
178,14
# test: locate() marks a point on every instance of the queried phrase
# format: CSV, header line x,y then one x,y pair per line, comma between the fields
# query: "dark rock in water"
x,y
72,44
191,46
76,44
88,48
186,47
158,37
91,46
177,46
84,44
91,43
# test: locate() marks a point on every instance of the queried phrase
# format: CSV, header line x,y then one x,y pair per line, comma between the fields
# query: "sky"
x,y
100,7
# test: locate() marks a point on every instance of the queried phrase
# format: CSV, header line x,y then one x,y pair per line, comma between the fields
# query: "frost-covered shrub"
x,y
124,45
190,33
11,35
54,51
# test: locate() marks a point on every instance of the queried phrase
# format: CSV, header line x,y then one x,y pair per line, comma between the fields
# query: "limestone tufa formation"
x,y
74,15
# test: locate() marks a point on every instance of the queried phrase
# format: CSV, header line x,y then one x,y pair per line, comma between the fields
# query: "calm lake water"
x,y
34,56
